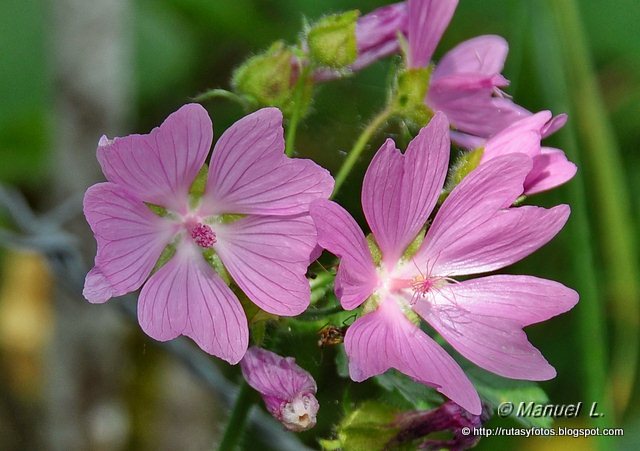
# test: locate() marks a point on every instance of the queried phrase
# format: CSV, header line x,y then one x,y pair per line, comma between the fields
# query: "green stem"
x,y
223,94
237,419
615,228
359,146
296,114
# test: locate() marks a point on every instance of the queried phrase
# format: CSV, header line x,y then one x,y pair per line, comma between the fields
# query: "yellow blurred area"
x,y
25,319
561,443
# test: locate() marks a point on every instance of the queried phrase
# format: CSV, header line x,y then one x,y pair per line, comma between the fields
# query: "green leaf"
x,y
368,427
495,390
411,393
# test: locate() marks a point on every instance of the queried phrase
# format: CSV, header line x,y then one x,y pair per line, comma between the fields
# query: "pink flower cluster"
x,y
261,217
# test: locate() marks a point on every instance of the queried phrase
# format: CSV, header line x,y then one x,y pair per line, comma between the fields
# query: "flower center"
x,y
203,235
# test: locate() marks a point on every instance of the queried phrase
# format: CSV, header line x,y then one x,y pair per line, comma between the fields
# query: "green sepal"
x,y
157,209
214,261
414,245
166,254
197,188
230,217
408,101
376,254
464,165
332,40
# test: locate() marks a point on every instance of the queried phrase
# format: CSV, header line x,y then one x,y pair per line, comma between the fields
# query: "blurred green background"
x,y
73,70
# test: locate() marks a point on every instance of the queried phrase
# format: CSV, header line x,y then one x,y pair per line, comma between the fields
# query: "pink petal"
x,y
250,173
377,33
275,376
268,257
130,240
428,19
522,136
554,125
339,233
161,166
483,319
187,297
465,140
484,55
475,232
386,339
550,169
399,191
471,107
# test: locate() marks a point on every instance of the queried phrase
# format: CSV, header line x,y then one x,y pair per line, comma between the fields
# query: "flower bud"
x,y
266,79
332,40
288,391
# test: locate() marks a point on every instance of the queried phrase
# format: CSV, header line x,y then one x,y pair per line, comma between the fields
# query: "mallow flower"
x,y
475,231
465,84
288,391
252,216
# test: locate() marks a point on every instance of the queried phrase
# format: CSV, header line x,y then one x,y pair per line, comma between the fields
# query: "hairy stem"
x,y
296,114
359,146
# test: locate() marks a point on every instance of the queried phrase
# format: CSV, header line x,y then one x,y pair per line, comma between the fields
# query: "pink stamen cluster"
x,y
203,235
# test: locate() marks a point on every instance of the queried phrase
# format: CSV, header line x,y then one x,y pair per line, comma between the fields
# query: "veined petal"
x,y
339,233
473,108
484,55
399,191
275,376
187,297
483,319
130,240
491,187
268,256
550,169
386,339
250,173
161,166
522,136
507,237
428,19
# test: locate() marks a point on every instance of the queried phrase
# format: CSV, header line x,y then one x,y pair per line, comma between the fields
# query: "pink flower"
x,y
550,166
465,83
266,250
288,391
475,231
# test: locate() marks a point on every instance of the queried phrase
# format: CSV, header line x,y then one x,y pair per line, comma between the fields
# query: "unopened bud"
x,y
332,40
288,391
266,79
